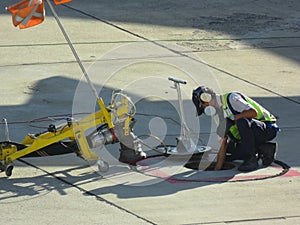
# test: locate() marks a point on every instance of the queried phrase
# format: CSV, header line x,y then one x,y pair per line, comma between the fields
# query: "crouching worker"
x,y
245,127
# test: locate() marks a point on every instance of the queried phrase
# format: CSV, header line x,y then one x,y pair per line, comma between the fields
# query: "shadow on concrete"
x,y
20,189
60,181
42,103
53,97
259,24
256,23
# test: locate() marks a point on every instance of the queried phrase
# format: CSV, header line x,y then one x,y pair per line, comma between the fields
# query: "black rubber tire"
x,y
8,170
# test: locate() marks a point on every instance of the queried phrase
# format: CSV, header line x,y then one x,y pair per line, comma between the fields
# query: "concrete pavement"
x,y
248,46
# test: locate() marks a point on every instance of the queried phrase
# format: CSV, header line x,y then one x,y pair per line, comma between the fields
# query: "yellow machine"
x,y
73,135
70,135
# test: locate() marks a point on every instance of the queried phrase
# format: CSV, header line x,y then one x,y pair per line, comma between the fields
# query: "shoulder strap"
x,y
229,104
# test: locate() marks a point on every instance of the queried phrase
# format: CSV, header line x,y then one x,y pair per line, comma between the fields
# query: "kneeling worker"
x,y
245,127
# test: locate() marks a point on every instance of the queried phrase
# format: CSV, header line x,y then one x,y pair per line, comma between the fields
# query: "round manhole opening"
x,y
195,166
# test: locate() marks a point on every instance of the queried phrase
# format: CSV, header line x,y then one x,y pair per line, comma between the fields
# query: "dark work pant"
x,y
253,133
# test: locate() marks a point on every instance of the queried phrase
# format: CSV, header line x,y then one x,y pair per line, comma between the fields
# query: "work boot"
x,y
131,156
249,165
267,153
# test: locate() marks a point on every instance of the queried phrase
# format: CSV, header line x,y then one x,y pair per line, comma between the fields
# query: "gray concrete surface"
x,y
250,46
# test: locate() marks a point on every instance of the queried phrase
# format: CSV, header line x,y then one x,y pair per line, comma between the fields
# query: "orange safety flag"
x,y
27,13
58,2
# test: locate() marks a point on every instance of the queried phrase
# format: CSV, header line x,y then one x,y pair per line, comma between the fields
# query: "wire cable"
x,y
73,49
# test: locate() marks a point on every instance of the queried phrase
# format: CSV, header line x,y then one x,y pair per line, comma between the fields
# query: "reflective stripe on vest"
x,y
262,114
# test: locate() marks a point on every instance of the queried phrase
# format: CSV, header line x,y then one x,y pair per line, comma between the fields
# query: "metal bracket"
x,y
6,131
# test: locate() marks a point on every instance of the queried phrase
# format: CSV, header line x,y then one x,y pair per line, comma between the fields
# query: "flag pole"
x,y
73,49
